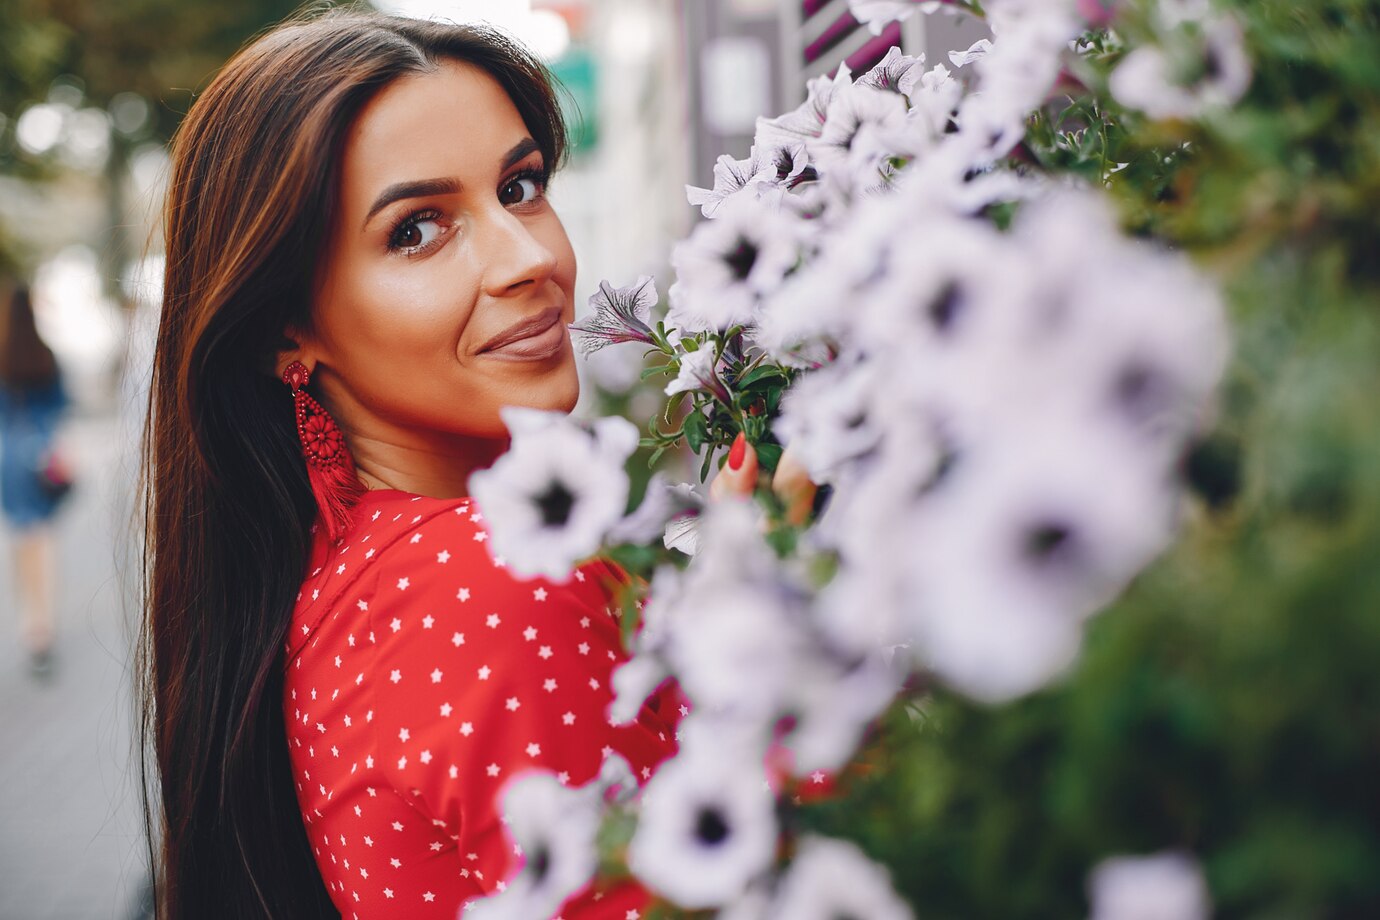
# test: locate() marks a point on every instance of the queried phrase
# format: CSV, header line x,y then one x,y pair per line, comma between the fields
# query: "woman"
x,y
362,267
31,405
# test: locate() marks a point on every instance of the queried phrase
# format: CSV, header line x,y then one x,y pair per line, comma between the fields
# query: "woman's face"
x,y
444,266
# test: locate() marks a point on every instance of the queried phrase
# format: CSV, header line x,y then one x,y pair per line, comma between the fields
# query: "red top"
x,y
421,676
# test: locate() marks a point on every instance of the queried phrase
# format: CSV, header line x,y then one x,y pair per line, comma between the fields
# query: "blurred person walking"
x,y
32,483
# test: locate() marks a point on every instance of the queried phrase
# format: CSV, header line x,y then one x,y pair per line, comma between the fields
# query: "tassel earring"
x,y
330,468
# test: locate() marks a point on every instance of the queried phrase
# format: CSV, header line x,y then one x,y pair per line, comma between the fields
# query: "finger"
x,y
792,484
738,477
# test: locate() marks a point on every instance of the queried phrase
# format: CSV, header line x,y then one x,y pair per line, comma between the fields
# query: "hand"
x,y
790,482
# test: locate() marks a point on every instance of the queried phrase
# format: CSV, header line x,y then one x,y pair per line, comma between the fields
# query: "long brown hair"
x,y
226,498
25,359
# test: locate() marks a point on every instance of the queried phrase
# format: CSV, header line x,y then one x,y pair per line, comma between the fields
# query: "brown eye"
x,y
520,191
416,231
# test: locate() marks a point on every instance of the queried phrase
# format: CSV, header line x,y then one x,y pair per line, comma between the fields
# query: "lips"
x,y
535,336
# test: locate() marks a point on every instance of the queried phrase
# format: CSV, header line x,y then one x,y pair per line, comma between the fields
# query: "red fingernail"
x,y
737,452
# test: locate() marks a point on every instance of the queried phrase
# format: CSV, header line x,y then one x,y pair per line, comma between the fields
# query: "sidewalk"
x,y
71,839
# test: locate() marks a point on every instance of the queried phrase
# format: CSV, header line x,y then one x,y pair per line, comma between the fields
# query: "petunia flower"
x,y
806,121
853,142
767,171
698,371
728,264
621,314
893,72
1152,80
555,829
551,499
707,826
1164,886
834,878
877,14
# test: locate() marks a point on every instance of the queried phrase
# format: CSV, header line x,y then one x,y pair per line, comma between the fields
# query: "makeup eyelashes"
x,y
539,176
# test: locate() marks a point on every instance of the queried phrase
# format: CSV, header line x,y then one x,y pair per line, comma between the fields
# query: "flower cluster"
x,y
995,384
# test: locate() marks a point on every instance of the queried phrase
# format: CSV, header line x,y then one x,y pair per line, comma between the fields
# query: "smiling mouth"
x,y
540,336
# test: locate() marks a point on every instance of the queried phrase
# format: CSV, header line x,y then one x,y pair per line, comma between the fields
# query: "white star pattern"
x,y
384,769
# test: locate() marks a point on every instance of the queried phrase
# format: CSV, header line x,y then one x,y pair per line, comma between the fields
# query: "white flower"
x,y
826,417
1149,79
876,14
895,72
855,139
934,98
683,534
620,315
707,826
1165,886
1017,72
558,490
1037,526
660,504
806,120
729,263
736,647
634,680
833,705
766,172
699,371
833,878
555,827
975,52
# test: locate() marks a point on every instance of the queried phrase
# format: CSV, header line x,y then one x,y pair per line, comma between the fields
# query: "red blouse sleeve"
x,y
480,675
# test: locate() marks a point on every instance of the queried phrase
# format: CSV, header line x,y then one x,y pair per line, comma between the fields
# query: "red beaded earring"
x,y
330,468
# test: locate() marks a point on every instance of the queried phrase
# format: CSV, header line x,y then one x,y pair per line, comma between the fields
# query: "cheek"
x,y
553,236
398,313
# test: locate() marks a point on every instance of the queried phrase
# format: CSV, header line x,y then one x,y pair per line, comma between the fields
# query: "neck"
x,y
434,466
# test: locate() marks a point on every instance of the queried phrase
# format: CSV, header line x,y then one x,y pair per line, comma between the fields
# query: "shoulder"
x,y
436,554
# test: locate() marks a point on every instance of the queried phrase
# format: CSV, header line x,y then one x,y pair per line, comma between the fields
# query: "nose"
x,y
515,256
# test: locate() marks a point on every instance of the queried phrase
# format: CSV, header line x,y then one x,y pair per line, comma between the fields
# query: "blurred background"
x,y
90,93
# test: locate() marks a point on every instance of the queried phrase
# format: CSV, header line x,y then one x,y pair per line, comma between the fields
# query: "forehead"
x,y
455,121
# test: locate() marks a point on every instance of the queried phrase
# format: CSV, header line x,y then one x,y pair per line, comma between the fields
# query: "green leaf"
x,y
673,403
763,373
696,430
659,369
704,467
768,455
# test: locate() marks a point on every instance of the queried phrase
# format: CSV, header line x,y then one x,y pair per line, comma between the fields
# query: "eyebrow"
x,y
419,188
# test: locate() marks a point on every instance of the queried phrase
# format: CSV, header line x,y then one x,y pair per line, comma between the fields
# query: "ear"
x,y
296,345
